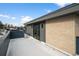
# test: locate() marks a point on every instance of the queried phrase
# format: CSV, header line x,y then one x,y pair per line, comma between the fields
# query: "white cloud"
x,y
62,4
4,15
8,19
7,16
13,17
25,19
15,24
47,10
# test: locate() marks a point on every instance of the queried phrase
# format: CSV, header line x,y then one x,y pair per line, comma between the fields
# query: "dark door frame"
x,y
36,31
77,45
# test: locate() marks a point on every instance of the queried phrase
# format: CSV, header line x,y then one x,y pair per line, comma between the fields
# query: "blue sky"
x,y
19,13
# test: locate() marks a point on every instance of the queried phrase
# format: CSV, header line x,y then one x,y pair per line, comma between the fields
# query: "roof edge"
x,y
54,12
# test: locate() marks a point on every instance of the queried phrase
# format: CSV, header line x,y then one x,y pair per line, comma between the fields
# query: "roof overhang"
x,y
63,11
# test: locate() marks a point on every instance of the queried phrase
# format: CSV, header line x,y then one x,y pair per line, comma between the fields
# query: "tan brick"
x,y
60,32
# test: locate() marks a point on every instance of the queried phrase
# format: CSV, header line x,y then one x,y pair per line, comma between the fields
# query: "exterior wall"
x,y
30,30
77,24
42,32
60,32
77,32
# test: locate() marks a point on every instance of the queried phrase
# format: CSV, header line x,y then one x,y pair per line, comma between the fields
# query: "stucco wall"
x,y
42,32
30,30
60,32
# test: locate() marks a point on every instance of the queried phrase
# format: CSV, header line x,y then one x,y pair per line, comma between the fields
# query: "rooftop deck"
x,y
29,46
25,45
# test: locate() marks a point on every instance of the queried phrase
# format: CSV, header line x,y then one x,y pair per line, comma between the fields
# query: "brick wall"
x,y
60,32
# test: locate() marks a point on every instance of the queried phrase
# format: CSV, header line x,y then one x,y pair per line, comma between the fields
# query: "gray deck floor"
x,y
30,47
